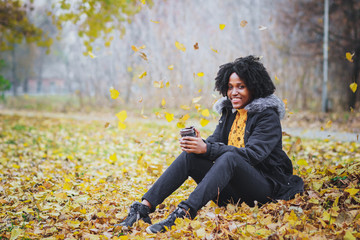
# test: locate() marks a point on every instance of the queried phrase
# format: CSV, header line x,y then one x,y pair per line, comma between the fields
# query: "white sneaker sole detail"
x,y
148,230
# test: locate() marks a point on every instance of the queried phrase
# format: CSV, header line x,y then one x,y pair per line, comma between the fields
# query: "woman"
x,y
242,161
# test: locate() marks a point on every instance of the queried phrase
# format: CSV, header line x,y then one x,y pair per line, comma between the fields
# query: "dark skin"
x,y
239,96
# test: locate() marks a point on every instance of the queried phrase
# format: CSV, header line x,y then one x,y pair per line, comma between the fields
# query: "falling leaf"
x,y
163,102
159,84
198,107
106,124
349,57
142,75
200,74
154,21
143,56
143,1
180,46
136,49
200,90
277,79
243,23
204,122
114,94
121,115
328,124
221,26
171,67
185,117
121,125
262,28
180,86
180,124
140,99
353,87
167,84
205,112
91,54
197,99
196,46
214,50
169,116
285,101
185,107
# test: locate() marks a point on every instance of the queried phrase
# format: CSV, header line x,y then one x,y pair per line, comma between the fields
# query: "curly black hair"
x,y
250,70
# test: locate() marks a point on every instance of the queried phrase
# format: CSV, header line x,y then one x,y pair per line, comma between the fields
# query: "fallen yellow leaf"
x,y
221,26
113,157
67,186
352,191
171,67
163,102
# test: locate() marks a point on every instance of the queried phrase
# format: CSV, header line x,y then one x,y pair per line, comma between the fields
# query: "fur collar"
x,y
257,105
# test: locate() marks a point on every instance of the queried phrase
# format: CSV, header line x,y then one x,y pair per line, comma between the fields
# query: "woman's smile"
x,y
238,93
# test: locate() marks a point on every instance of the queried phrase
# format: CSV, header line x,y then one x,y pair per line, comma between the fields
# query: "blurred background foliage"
x,y
65,55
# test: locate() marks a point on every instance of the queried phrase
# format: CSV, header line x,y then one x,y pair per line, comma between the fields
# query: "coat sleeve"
x,y
262,139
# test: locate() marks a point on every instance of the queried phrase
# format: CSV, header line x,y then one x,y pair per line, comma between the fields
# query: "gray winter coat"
x,y
263,143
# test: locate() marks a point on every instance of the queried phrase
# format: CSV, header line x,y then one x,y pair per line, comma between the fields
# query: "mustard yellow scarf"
x,y
237,132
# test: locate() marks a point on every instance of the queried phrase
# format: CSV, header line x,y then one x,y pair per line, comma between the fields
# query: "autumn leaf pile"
x,y
68,179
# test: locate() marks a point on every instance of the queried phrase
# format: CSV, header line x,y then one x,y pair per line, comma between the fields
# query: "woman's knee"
x,y
228,158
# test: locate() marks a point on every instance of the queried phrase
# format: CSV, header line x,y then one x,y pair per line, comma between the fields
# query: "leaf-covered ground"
x,y
72,179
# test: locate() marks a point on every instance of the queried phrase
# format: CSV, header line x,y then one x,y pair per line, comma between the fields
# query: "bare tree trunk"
x,y
26,85
40,77
15,80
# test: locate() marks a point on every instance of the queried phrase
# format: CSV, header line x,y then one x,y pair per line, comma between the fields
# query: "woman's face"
x,y
237,92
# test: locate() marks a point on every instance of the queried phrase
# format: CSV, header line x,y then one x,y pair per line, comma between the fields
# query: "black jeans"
x,y
228,179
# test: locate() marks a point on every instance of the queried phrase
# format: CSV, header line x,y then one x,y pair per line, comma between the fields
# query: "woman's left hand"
x,y
193,144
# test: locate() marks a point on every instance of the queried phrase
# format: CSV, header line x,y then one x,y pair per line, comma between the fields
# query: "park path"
x,y
297,132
